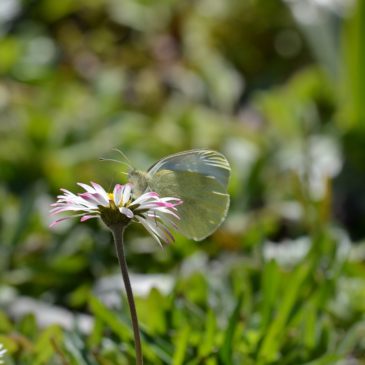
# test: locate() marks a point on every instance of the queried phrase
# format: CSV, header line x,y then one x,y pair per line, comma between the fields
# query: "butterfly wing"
x,y
205,201
204,162
200,179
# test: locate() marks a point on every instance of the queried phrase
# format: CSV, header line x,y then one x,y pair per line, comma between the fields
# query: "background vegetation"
x,y
278,87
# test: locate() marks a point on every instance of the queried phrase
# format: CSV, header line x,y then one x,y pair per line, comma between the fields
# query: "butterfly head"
x,y
139,180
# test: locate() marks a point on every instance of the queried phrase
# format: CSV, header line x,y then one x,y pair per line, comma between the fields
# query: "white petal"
x,y
127,212
151,232
87,188
147,196
153,225
127,190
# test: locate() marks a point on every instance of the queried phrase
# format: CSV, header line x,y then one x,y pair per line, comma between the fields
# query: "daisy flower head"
x,y
2,353
157,214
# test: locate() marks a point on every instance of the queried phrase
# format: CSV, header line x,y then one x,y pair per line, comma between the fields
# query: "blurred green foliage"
x,y
277,86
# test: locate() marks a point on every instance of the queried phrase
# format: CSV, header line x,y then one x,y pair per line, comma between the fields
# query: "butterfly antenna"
x,y
112,160
128,161
117,161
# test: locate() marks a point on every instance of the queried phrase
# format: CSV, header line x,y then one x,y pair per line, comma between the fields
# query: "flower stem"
x,y
118,234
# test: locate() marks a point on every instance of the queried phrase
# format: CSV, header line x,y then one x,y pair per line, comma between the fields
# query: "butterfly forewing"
x,y
204,162
205,201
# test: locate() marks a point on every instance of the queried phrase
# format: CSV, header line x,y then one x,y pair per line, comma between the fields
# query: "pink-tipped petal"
x,y
95,199
99,189
87,217
58,221
117,194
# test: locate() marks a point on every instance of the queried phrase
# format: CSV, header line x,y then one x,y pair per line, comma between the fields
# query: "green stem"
x,y
118,234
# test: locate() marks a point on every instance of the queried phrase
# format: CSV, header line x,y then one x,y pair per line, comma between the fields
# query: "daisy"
x,y
155,213
117,210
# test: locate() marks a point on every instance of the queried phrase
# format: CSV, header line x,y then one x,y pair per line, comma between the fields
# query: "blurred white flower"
x,y
308,11
287,252
2,352
9,9
319,161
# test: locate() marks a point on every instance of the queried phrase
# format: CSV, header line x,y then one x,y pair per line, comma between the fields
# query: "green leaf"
x,y
44,350
270,286
354,47
310,325
208,339
328,359
5,324
108,317
181,344
28,326
75,351
271,342
154,303
353,337
226,351
96,335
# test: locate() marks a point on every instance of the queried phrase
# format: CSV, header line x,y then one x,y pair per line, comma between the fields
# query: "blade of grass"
x,y
328,359
107,316
354,51
44,350
271,341
226,351
182,341
270,286
207,343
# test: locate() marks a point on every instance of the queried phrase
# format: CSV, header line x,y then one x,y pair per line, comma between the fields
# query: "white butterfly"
x,y
200,179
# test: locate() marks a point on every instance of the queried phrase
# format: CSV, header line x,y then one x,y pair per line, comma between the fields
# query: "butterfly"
x,y
199,178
